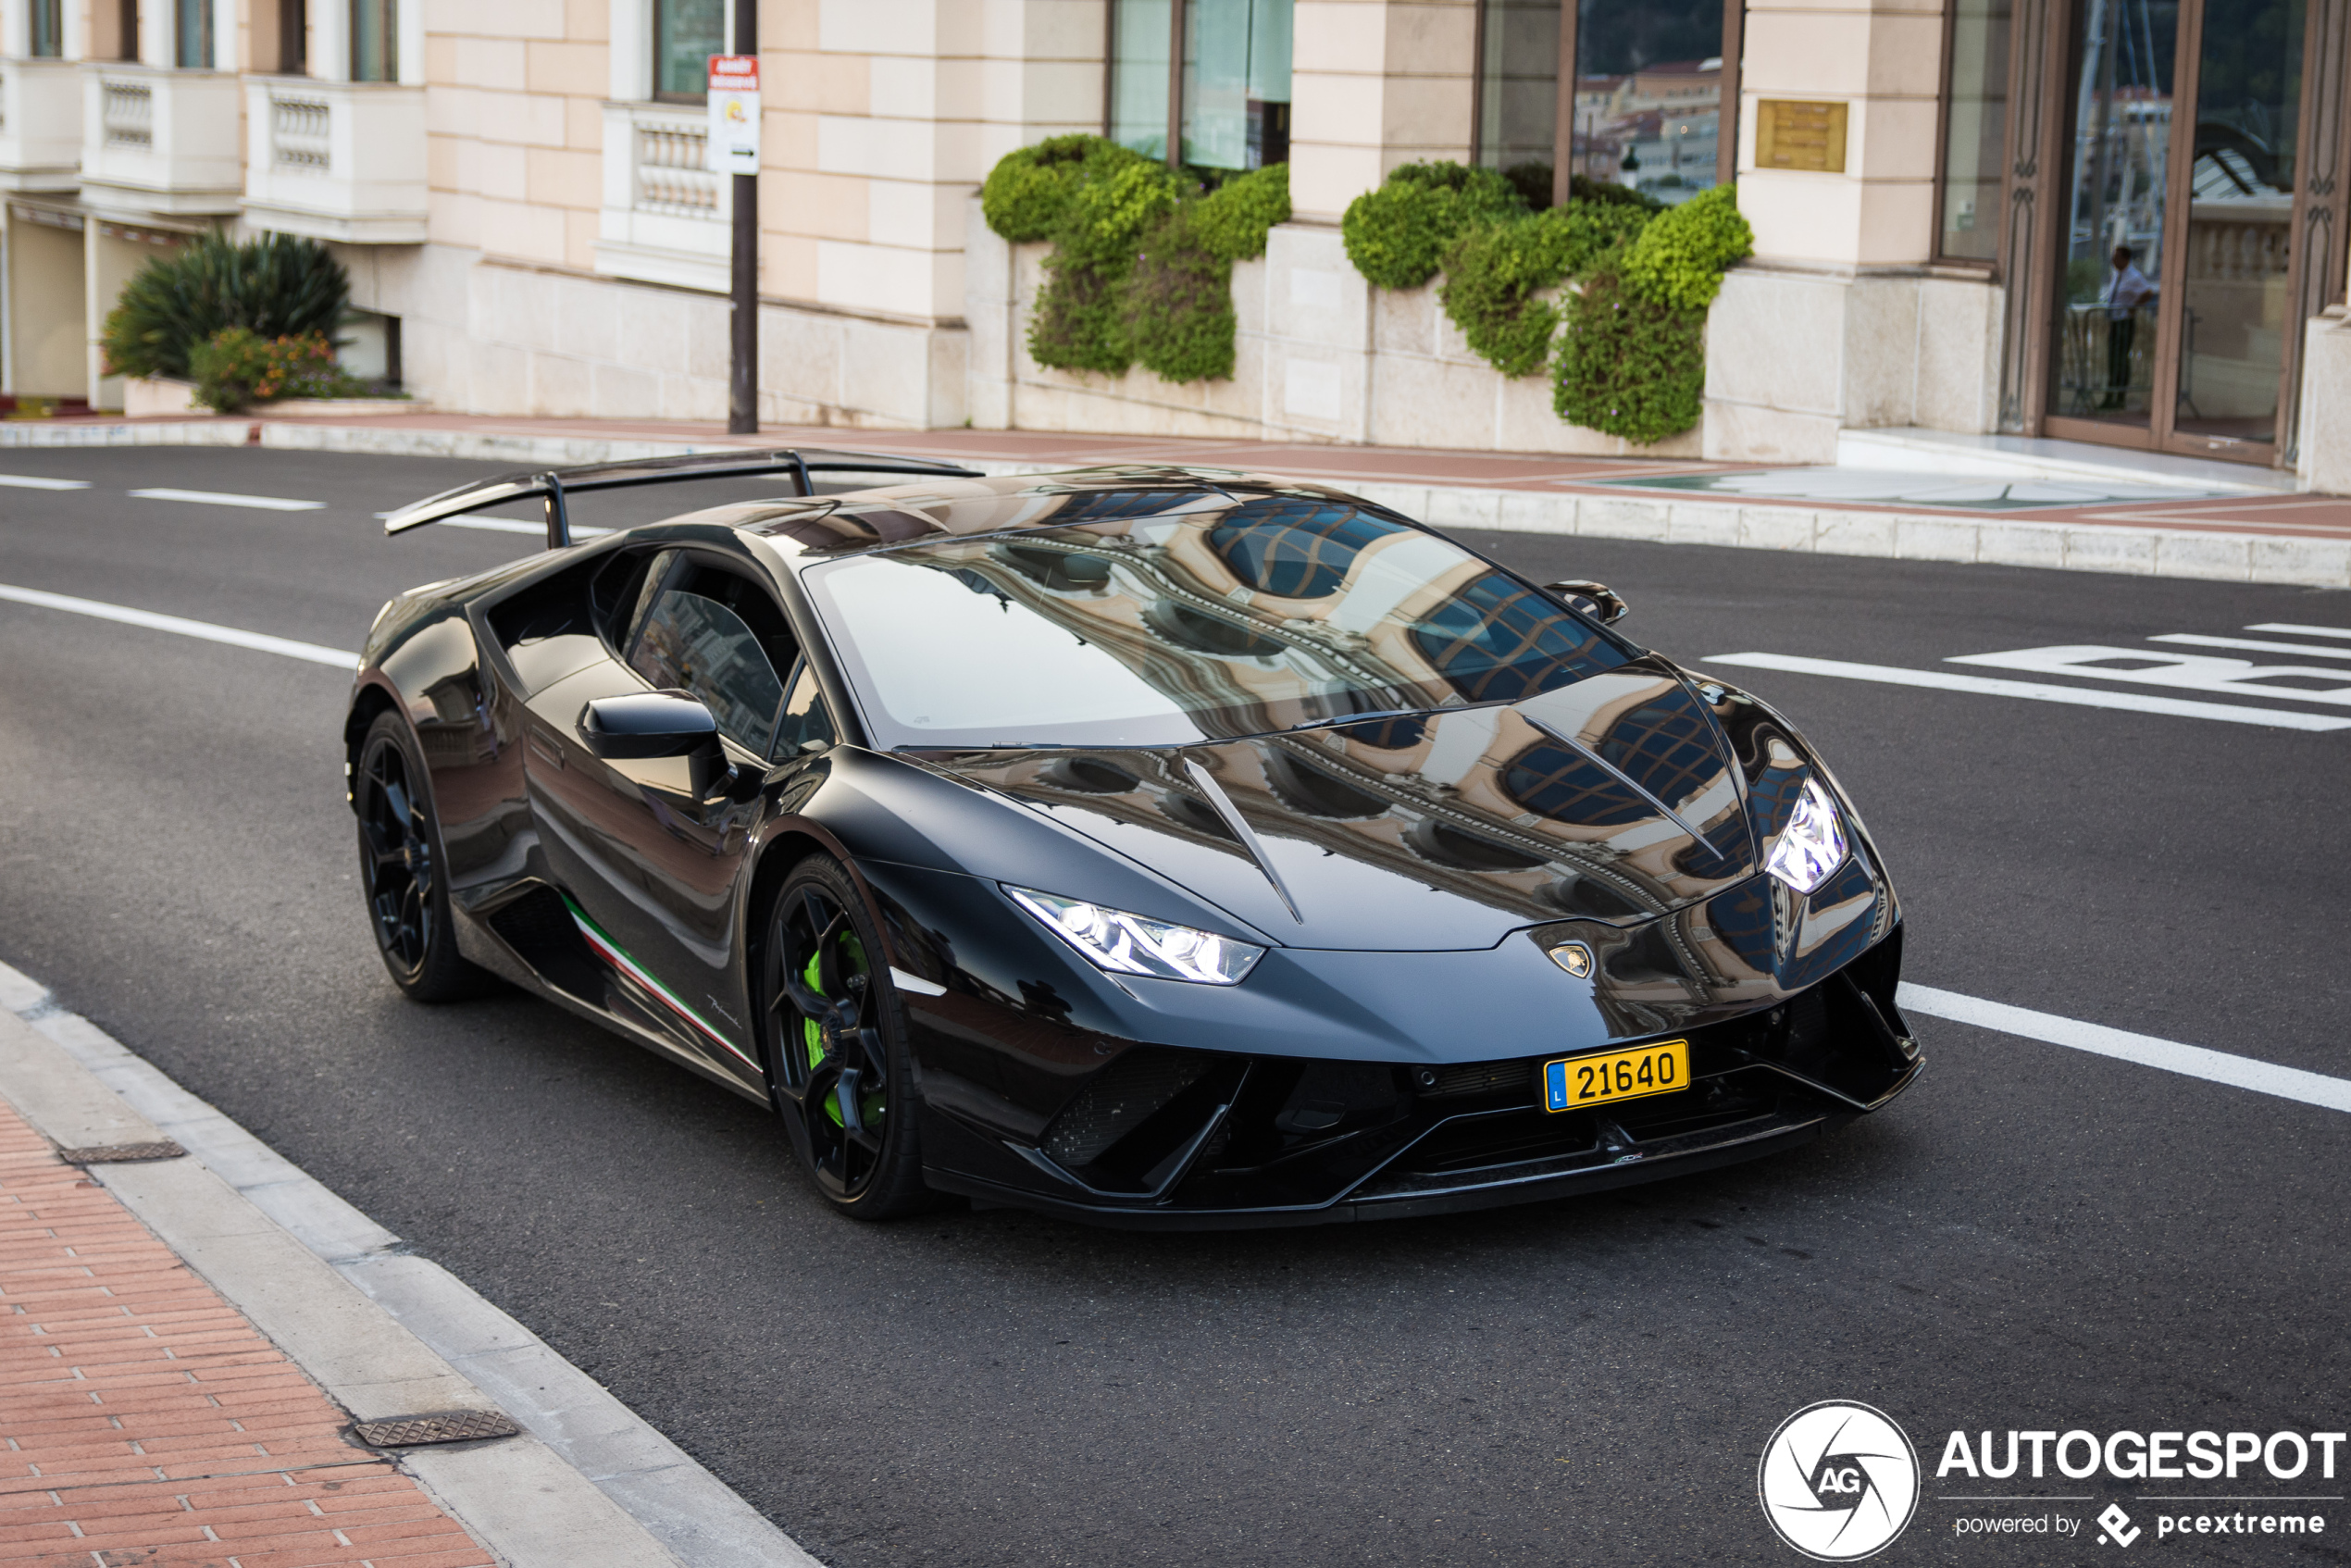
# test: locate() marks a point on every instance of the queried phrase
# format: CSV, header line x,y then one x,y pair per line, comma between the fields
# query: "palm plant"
x,y
275,286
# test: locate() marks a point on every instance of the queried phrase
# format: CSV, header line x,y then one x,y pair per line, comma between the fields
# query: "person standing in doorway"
x,y
2126,291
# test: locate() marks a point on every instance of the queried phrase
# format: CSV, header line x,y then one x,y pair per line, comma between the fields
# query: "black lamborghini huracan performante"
x,y
1150,846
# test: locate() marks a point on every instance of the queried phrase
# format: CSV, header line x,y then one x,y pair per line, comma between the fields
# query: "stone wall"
x,y
2324,454
1322,357
485,336
1794,355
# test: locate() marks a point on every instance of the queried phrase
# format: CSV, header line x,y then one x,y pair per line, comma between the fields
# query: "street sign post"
x,y
734,150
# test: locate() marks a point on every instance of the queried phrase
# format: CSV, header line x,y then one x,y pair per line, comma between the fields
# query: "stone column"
x,y
1375,83
1841,321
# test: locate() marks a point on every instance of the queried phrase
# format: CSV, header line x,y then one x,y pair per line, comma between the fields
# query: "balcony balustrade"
x,y
336,160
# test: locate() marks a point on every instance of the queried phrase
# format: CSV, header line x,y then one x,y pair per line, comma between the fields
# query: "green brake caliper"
x,y
855,952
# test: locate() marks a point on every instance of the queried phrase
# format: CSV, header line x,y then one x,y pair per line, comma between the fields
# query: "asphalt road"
x,y
2033,1237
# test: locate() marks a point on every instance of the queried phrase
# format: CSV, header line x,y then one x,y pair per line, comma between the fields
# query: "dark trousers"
x,y
2119,336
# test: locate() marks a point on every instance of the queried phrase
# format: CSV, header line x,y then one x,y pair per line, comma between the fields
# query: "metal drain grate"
x,y
438,1426
121,1154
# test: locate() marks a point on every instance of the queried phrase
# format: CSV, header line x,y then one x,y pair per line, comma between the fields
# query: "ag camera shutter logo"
x,y
1839,1481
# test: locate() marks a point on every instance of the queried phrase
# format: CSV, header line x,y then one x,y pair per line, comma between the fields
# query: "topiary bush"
x,y
1029,192
1176,304
1632,360
1141,269
275,286
1627,365
1077,325
1492,274
1679,259
1233,220
1398,235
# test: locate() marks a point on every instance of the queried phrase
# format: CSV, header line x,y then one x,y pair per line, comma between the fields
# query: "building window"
x,y
1236,82
1652,104
48,29
1234,97
293,37
127,29
192,43
686,33
1975,118
375,40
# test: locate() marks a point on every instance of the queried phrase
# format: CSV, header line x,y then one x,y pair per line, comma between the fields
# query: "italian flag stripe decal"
x,y
617,956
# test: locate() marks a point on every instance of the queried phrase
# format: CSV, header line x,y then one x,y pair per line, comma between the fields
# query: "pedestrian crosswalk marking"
x,y
2031,691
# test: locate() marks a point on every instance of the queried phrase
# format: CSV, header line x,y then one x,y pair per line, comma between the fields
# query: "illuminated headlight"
x,y
1128,944
1813,844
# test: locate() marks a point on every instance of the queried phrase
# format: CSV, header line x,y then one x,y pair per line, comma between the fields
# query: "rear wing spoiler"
x,y
554,484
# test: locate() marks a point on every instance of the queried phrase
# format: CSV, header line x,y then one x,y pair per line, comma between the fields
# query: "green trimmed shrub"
x,y
237,367
1627,365
1493,273
1233,220
1079,325
276,286
1397,235
1029,192
1175,303
1142,267
1680,258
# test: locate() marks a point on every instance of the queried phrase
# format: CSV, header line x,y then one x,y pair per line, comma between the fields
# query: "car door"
x,y
652,865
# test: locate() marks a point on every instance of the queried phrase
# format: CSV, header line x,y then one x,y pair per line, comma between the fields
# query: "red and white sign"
x,y
734,114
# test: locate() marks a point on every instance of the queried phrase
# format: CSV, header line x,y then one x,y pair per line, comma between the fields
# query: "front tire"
x,y
834,1034
401,870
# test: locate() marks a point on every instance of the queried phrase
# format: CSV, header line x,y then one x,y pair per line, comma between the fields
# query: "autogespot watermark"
x,y
1839,1481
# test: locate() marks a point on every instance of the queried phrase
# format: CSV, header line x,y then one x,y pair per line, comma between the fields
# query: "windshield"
x,y
1268,615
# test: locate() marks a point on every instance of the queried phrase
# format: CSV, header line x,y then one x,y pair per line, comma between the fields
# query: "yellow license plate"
x,y
1573,1083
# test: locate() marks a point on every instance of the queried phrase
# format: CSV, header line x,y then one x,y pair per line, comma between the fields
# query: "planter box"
x,y
340,407
145,398
1321,356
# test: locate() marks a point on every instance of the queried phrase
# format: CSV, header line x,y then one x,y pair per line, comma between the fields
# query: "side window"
x,y
805,718
719,636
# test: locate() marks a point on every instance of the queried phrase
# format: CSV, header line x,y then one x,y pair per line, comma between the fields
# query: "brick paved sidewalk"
x,y
148,1423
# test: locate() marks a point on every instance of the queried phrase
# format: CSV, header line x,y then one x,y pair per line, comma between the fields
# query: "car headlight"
x,y
1129,944
1812,845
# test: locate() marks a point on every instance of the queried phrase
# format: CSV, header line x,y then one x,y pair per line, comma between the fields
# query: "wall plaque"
x,y
1793,134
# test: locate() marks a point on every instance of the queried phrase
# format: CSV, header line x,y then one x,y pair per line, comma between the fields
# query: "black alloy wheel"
x,y
836,1036
400,861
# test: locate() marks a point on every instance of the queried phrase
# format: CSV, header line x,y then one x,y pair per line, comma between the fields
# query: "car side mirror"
x,y
1595,599
657,723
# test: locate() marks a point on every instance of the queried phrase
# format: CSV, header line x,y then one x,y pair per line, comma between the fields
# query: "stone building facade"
x,y
1940,191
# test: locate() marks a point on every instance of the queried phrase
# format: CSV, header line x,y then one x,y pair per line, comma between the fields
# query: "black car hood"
x,y
1617,798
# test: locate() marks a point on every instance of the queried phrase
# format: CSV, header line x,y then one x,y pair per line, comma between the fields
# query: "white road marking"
x,y
2307,650
2305,631
2192,1060
34,481
258,641
2191,672
2032,690
224,498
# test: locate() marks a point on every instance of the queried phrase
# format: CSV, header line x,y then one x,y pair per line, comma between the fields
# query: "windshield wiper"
x,y
1372,718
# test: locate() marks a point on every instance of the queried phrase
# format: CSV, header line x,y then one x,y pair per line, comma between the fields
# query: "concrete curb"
x,y
2133,551
590,1485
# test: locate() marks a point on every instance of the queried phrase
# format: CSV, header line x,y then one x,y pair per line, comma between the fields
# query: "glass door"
x,y
2175,268
2112,253
2235,265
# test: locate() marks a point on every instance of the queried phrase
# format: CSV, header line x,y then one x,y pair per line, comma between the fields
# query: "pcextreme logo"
x,y
1838,1481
